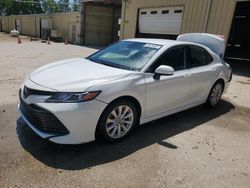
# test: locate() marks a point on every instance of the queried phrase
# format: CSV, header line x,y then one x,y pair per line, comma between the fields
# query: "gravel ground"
x,y
195,148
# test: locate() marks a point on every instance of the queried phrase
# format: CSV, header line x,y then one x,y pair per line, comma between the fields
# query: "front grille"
x,y
42,119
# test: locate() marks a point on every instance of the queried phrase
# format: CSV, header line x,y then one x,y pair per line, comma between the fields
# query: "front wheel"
x,y
117,121
215,94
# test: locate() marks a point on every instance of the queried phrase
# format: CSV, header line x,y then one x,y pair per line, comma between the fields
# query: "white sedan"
x,y
128,83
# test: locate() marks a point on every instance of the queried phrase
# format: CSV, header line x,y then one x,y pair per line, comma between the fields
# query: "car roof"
x,y
163,42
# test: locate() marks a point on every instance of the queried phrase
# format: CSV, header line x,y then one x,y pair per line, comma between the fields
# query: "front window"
x,y
173,58
127,55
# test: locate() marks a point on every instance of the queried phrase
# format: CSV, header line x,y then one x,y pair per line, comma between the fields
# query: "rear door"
x,y
198,62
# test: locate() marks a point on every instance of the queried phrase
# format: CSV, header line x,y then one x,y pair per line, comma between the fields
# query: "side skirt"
x,y
169,112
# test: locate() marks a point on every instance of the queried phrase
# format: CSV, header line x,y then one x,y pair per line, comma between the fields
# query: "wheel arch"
x,y
217,80
122,98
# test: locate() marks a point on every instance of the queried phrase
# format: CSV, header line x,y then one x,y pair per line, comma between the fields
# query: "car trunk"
x,y
215,42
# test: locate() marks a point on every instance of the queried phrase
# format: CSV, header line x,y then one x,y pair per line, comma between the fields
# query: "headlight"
x,y
72,97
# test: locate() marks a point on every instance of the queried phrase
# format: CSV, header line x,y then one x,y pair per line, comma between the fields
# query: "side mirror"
x,y
163,70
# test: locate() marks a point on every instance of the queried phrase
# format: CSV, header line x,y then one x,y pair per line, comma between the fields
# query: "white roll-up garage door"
x,y
165,20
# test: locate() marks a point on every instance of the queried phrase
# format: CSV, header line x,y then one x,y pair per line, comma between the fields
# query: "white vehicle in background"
x,y
131,82
14,33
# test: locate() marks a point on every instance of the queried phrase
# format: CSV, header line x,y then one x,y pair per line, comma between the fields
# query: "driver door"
x,y
169,92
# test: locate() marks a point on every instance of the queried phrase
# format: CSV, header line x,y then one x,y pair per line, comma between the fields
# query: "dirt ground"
x,y
196,148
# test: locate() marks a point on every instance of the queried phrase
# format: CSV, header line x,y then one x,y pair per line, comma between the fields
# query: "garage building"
x,y
40,25
169,18
100,21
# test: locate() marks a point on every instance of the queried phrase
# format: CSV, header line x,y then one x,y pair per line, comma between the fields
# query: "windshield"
x,y
127,55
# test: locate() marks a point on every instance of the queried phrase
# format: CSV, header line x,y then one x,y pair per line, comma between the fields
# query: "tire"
x,y
117,121
215,94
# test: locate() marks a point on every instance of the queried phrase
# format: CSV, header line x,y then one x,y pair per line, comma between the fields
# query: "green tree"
x,y
50,6
27,7
64,5
75,6
8,7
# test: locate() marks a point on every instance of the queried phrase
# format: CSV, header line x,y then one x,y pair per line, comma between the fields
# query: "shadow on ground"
x,y
74,157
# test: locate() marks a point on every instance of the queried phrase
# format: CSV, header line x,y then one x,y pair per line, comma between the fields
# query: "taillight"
x,y
221,36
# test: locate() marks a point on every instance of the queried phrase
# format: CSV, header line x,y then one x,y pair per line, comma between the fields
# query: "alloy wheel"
x,y
216,94
119,121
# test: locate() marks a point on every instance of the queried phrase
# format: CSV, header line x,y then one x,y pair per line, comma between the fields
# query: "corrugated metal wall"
x,y
221,16
7,23
27,23
219,20
30,24
61,21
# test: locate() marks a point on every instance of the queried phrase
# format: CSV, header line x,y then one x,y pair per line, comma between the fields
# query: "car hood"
x,y
75,75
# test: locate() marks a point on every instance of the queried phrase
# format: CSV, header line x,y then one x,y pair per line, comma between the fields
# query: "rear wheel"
x,y
117,121
215,94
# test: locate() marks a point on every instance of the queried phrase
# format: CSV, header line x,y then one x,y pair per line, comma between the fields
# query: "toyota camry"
x,y
128,83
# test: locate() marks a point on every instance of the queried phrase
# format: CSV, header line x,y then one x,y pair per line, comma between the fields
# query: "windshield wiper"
x,y
112,65
99,62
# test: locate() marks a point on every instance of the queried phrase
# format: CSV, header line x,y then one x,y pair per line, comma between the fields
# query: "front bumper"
x,y
80,119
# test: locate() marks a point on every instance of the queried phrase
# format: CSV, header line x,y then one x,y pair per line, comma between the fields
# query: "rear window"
x,y
197,56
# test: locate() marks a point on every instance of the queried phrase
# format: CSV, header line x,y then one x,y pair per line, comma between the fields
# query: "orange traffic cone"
x,y
19,40
48,41
66,41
